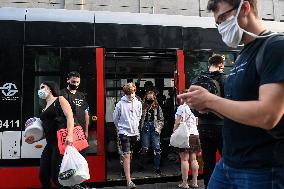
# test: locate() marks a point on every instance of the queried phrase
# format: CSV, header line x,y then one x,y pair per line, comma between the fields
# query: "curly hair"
x,y
154,105
213,4
216,59
129,88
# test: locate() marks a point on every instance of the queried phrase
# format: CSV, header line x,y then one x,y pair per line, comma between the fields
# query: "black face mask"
x,y
72,86
149,101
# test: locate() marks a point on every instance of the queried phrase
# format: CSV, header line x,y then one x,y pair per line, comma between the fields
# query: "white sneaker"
x,y
131,185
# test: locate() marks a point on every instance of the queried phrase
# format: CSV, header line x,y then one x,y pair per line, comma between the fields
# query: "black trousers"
x,y
211,141
49,166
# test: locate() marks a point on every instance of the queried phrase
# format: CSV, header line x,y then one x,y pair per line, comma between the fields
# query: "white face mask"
x,y
232,33
42,94
230,30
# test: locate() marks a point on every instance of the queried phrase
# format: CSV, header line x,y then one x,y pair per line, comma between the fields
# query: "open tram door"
x,y
46,63
165,70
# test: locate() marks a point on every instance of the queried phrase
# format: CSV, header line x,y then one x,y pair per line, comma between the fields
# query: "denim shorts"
x,y
126,143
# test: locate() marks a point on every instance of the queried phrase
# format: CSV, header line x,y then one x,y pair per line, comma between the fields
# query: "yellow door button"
x,y
94,118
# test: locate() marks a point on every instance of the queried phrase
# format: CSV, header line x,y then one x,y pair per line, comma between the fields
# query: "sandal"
x,y
193,186
183,186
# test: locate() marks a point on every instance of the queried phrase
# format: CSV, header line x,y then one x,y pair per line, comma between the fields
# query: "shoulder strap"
x,y
260,53
217,84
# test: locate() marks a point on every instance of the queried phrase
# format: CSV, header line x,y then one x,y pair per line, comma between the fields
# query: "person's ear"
x,y
246,8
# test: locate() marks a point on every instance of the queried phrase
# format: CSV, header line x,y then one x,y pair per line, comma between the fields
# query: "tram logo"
x,y
9,90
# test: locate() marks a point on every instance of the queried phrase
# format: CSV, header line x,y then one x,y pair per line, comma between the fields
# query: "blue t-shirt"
x,y
246,146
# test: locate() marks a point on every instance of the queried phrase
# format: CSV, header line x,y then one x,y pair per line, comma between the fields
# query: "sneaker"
x,y
77,186
183,185
158,172
131,185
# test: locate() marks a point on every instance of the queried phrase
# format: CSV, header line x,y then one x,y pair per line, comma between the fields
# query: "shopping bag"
x,y
80,142
74,168
180,137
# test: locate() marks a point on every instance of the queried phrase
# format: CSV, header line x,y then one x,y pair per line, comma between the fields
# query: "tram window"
x,y
47,62
229,62
195,62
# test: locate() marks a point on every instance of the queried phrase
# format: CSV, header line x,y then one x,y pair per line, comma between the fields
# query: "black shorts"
x,y
126,143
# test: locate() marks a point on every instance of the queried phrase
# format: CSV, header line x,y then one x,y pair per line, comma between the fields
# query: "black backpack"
x,y
213,84
209,83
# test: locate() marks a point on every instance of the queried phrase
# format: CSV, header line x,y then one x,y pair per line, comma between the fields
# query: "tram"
x,y
108,49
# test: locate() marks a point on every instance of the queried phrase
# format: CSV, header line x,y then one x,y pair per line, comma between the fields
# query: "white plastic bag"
x,y
180,137
74,168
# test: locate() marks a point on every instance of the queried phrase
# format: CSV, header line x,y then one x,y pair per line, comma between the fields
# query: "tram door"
x,y
160,68
53,64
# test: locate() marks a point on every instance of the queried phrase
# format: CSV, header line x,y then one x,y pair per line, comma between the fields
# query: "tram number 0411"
x,y
9,124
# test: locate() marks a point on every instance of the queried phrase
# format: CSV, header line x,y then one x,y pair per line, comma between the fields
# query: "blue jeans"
x,y
225,177
150,138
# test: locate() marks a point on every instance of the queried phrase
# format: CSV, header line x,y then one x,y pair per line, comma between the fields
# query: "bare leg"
x,y
184,157
194,168
126,166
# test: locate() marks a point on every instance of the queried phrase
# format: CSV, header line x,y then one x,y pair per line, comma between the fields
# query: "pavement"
x,y
166,185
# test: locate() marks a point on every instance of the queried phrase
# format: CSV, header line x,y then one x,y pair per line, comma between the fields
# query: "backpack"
x,y
209,83
213,85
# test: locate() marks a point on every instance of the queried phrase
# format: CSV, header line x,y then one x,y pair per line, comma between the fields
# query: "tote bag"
x,y
180,137
80,142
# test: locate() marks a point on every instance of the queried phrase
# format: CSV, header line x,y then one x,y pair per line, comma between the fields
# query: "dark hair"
x,y
53,87
216,59
212,4
73,74
155,105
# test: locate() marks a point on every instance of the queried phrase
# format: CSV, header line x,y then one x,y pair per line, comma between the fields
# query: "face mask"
x,y
72,86
149,101
230,30
232,33
132,95
42,93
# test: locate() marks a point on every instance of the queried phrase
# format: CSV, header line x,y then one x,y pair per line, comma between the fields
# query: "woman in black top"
x,y
56,114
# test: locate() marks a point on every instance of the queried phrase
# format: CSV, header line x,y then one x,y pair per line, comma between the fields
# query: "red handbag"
x,y
80,142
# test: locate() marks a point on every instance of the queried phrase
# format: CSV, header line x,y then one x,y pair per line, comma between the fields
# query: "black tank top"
x,y
52,119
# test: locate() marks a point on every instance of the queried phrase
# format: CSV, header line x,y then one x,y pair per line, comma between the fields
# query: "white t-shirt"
x,y
189,117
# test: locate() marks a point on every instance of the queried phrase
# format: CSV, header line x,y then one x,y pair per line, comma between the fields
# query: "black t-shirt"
x,y
149,115
53,119
246,146
78,104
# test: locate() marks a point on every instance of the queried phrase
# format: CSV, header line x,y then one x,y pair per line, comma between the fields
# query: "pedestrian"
x,y
80,109
126,116
56,105
187,155
77,101
253,107
209,124
152,122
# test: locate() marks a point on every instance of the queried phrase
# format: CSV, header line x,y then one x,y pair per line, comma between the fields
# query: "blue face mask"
x,y
42,93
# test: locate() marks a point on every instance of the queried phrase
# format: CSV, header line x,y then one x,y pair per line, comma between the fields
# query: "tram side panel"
x,y
134,35
11,39
59,33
